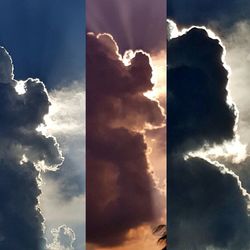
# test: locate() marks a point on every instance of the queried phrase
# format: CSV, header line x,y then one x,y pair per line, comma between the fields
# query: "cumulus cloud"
x,y
207,205
199,81
24,150
120,188
63,238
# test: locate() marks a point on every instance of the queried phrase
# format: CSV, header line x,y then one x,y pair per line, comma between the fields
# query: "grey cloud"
x,y
207,207
21,222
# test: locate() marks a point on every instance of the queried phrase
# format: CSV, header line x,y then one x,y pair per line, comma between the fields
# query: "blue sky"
x,y
45,39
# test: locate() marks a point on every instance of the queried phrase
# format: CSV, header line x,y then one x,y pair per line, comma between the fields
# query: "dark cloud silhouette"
x,y
242,169
23,151
21,221
119,187
198,110
206,203
223,14
206,207
126,22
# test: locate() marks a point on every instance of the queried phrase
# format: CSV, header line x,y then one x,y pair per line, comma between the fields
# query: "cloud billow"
x,y
207,207
120,188
23,152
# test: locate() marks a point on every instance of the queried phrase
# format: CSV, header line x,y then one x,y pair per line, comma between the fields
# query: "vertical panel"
x,y
208,163
42,125
126,139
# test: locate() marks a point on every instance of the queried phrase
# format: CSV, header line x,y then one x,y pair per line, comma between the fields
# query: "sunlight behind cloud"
x,y
20,87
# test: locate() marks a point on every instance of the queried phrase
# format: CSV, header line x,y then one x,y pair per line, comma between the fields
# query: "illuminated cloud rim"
x,y
24,152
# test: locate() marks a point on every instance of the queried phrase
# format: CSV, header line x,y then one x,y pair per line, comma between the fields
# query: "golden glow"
x,y
141,238
158,76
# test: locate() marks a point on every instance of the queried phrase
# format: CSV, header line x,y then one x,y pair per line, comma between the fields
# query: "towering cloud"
x,y
23,153
120,188
207,207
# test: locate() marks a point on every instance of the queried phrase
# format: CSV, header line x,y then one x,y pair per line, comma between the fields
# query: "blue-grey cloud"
x,y
24,151
207,206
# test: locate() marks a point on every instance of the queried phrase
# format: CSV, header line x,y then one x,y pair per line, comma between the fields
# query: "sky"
x,y
44,39
208,128
125,123
42,129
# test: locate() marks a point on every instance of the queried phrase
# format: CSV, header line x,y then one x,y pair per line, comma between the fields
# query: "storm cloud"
x,y
207,206
24,153
120,188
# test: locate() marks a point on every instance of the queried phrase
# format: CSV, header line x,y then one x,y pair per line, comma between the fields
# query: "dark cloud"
x,y
225,12
197,96
242,169
21,222
22,147
119,194
206,203
134,24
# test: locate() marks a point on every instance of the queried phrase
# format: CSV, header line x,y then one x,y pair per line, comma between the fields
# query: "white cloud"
x,y
63,238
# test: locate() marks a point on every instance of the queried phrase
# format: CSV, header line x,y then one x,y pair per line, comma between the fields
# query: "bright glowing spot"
x,y
41,166
24,160
128,55
20,87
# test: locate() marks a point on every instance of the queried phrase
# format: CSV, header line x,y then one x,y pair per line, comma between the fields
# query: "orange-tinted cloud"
x,y
120,187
